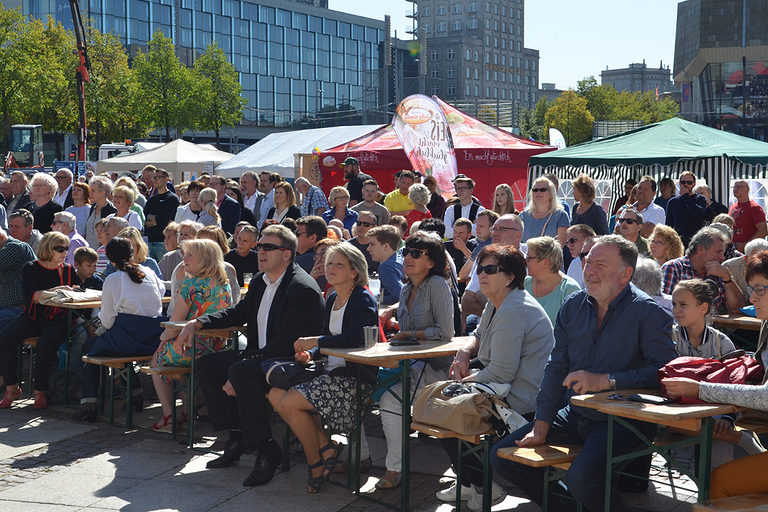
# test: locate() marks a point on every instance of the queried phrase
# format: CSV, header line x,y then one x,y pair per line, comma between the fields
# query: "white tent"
x,y
275,152
180,158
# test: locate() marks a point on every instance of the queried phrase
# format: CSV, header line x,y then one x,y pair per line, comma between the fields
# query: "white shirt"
x,y
61,198
474,282
121,295
265,306
335,324
250,202
266,204
576,272
653,213
449,220
133,219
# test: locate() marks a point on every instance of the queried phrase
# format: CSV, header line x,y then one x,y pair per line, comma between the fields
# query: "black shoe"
x,y
87,412
232,453
268,459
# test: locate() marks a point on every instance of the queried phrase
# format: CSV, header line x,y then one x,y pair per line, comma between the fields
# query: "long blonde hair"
x,y
207,199
510,200
210,256
133,234
554,203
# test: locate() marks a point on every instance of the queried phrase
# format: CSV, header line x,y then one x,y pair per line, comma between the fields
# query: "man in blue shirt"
x,y
609,336
383,242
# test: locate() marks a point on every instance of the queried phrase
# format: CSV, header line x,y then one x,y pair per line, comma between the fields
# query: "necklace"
x,y
339,303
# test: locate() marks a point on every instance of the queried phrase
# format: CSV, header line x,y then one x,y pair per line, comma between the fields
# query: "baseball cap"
x,y
351,161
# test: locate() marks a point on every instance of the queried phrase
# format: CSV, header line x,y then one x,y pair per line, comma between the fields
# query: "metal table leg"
x,y
406,424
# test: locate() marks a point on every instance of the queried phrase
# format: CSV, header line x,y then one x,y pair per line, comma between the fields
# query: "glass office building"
x,y
294,57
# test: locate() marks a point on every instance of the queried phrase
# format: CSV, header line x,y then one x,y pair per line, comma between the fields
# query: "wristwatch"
x,y
611,382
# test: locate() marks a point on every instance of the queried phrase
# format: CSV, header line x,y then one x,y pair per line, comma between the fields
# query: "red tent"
x,y
486,154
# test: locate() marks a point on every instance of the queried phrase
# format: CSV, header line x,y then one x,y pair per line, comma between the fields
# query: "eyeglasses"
x,y
628,221
583,255
488,269
540,189
757,290
686,182
571,241
269,247
365,224
60,177
64,248
415,253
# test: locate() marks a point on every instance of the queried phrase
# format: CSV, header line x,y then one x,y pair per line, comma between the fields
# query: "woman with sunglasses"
x,y
48,272
748,474
511,345
544,215
425,312
545,281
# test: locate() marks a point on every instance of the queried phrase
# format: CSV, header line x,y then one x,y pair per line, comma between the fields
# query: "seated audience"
x,y
436,204
339,201
545,281
512,345
101,207
309,230
727,231
14,254
383,245
81,205
171,258
630,222
65,222
462,245
42,188
544,215
123,198
503,200
586,210
318,270
140,251
21,227
243,257
419,196
130,319
209,216
47,272
285,205
365,221
738,265
85,266
665,244
578,235
648,278
193,209
218,235
397,201
332,395
400,223
204,290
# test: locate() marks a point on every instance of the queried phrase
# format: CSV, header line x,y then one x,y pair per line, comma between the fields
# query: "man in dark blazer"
x,y
283,303
20,197
229,209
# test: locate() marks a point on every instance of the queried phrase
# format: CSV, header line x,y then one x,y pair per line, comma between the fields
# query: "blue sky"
x,y
574,38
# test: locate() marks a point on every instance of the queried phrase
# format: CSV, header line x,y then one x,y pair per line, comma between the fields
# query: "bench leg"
x,y
487,474
459,466
112,377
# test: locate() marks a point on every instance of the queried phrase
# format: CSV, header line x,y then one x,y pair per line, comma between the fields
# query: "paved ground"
x,y
49,463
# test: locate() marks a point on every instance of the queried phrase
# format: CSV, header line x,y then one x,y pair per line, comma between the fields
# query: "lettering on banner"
x,y
489,156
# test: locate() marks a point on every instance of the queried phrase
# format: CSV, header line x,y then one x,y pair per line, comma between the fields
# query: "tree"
x,y
570,115
218,99
164,86
15,64
533,123
601,99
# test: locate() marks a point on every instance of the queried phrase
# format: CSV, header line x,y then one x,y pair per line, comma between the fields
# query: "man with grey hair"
x,y
252,197
65,222
20,199
283,304
314,202
630,222
63,195
738,265
704,260
648,277
21,226
609,336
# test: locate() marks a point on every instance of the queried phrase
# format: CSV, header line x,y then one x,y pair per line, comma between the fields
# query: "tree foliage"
x,y
16,64
533,123
570,115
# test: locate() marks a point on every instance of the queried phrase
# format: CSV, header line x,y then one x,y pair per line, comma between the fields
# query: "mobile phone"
x,y
650,399
402,343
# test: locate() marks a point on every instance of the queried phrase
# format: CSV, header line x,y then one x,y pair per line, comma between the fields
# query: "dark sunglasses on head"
x,y
686,182
540,189
415,253
628,221
269,247
60,248
365,224
488,269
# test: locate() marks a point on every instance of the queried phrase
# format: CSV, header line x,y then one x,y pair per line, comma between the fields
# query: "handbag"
x,y
733,370
284,374
465,408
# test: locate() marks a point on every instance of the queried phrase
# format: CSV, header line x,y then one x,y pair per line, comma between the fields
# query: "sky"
x,y
575,39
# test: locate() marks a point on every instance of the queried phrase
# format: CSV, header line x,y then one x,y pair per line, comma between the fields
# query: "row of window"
x,y
472,23
490,93
490,58
494,75
458,8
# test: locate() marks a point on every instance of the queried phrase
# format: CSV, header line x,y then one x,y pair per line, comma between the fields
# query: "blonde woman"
x,y
419,196
139,201
545,281
209,216
339,201
665,244
544,215
205,289
42,188
503,200
123,198
140,252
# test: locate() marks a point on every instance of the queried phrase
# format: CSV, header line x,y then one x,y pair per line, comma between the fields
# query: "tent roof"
x,y
660,143
275,152
178,151
466,132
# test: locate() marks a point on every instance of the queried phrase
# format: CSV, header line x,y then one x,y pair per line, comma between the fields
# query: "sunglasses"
x,y
571,241
415,253
61,248
269,247
488,269
686,182
365,224
540,189
628,221
583,255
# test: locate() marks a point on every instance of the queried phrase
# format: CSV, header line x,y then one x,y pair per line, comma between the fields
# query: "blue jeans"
x,y
586,477
8,314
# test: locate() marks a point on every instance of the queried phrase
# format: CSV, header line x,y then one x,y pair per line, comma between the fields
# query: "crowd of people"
x,y
631,292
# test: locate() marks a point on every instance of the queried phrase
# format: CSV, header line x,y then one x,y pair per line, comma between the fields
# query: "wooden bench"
x,y
546,457
119,367
747,502
466,445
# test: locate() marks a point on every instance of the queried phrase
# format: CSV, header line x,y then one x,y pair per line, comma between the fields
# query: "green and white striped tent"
x,y
660,149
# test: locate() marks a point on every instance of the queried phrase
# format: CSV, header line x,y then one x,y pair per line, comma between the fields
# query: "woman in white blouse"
x,y
123,198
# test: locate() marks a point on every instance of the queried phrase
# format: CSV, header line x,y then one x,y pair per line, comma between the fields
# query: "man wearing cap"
x,y
355,180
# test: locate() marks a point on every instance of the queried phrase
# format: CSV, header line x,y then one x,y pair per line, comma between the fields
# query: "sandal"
x,y
9,397
330,462
165,425
315,483
389,480
41,402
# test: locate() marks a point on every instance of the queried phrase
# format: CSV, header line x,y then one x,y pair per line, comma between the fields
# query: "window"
x,y
527,95
468,54
435,90
496,25
503,26
519,14
426,11
526,63
477,56
503,44
533,65
487,92
468,72
472,8
451,55
503,76
495,76
450,73
488,24
518,95
487,40
487,74
527,80
428,28
434,73
441,26
495,58
441,10
451,90
456,25
503,10
518,79
487,6
473,23
495,8
519,30
519,46
495,92
434,55
477,73
477,90
495,42
487,58
457,9
503,94
468,90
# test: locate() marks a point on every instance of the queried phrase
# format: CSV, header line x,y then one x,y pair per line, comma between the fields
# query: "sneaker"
x,y
475,501
449,494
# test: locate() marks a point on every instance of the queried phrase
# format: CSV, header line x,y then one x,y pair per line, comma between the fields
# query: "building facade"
x,y
639,78
475,51
295,57
721,64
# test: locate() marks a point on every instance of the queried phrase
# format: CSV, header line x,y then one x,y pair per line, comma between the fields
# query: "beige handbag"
x,y
467,414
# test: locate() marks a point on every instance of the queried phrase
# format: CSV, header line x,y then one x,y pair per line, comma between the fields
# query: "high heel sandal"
x,y
315,483
330,462
165,425
9,397
41,402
